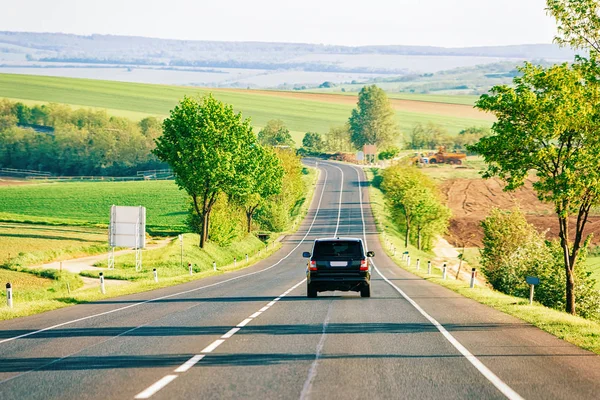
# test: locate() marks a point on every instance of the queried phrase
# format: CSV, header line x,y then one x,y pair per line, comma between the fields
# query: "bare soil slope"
x,y
472,199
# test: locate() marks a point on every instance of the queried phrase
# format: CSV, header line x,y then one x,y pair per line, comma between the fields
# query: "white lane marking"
x,y
212,346
273,302
189,363
185,291
312,372
231,332
265,308
337,226
244,323
146,394
485,371
256,314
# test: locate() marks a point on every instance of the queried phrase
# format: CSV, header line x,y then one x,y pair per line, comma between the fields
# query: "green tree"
x,y
374,119
313,142
549,123
265,179
413,198
205,143
275,133
578,23
338,139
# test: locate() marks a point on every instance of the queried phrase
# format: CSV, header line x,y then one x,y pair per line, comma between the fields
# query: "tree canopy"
x,y
549,124
206,144
275,133
578,23
373,121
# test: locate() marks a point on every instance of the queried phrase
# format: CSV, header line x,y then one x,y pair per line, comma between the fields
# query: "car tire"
x,y
365,291
311,291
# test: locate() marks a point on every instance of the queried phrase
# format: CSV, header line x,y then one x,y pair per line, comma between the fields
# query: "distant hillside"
x,y
242,64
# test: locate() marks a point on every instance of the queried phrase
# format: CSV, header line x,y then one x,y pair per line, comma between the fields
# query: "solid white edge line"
x,y
212,346
185,291
231,332
190,363
244,323
164,381
485,371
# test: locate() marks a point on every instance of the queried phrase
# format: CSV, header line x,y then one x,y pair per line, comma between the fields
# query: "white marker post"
x,y
155,275
418,264
190,269
234,262
102,287
9,296
408,261
214,265
181,245
246,258
473,275
444,270
429,267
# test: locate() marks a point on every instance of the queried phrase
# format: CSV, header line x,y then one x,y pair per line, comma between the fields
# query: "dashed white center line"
x,y
256,314
265,308
229,334
244,323
212,346
189,363
146,394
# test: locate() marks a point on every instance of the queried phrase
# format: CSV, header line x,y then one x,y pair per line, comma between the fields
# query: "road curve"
x,y
254,334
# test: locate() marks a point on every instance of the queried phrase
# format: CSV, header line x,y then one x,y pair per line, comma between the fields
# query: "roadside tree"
x,y
373,121
549,125
205,143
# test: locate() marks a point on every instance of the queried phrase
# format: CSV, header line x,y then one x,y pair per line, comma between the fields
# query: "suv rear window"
x,y
338,248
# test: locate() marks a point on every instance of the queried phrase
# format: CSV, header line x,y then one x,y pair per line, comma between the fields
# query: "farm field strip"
x,y
297,110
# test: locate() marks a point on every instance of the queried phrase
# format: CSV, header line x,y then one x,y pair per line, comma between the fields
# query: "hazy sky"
x,y
451,23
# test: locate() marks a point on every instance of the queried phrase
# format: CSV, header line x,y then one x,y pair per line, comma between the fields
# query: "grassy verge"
x,y
576,330
37,291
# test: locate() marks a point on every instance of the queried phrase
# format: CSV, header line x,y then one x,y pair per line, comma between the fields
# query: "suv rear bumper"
x,y
338,281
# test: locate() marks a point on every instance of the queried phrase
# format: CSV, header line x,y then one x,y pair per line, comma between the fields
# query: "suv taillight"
x,y
364,265
312,265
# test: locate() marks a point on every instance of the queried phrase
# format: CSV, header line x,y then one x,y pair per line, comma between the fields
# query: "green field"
x,y
302,112
88,203
468,100
29,244
593,264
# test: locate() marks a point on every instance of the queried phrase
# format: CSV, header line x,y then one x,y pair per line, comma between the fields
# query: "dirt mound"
x,y
12,182
472,199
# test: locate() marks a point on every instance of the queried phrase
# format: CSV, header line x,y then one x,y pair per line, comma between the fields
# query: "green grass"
x,y
30,244
300,114
167,260
576,330
468,100
593,264
89,203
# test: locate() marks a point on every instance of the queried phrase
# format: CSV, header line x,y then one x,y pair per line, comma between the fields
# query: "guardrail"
x,y
23,172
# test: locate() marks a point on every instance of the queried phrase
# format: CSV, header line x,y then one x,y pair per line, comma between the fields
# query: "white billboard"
x,y
127,227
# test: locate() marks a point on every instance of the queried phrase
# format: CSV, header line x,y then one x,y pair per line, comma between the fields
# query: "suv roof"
x,y
341,239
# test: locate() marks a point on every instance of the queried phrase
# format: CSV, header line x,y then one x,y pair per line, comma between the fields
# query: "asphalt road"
x,y
253,334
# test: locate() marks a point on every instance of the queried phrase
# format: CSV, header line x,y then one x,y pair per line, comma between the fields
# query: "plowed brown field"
x,y
472,199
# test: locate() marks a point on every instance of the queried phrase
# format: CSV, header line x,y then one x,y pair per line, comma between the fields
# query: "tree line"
x,y
54,138
416,204
219,161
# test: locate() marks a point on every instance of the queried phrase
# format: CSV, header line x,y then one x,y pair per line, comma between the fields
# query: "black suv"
x,y
338,264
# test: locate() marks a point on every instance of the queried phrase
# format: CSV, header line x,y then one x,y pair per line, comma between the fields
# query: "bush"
x,y
513,250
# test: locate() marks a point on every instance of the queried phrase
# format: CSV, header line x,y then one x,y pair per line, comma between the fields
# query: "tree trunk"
x,y
563,223
419,237
249,220
407,233
204,233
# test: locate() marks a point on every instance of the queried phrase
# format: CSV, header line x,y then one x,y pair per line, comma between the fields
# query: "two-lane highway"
x,y
254,334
